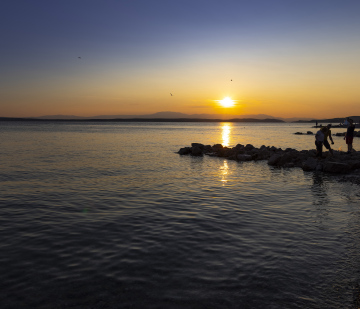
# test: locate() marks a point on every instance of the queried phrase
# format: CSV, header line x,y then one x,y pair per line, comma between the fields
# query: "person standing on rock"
x,y
327,134
319,140
349,135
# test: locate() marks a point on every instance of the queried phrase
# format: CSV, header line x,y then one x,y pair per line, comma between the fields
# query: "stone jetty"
x,y
341,162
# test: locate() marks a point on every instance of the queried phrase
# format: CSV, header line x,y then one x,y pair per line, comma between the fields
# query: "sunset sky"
x,y
290,58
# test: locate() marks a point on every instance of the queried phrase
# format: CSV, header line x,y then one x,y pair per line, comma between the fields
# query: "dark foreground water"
x,y
108,216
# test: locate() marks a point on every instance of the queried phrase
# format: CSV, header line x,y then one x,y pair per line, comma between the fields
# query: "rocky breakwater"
x,y
341,162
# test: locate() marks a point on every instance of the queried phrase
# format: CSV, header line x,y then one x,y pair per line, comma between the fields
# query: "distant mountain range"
x,y
175,115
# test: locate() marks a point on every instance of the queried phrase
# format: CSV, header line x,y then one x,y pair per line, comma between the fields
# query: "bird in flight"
x,y
79,57
231,80
171,94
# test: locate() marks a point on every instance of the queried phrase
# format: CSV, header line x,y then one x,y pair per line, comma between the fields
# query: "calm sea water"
x,y
107,215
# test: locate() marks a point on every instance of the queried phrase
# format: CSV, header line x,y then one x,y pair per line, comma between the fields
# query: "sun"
x,y
226,102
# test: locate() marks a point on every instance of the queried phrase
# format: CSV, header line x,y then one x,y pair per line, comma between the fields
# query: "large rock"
x,y
336,167
201,146
239,147
274,159
196,151
286,158
244,157
225,152
310,164
217,147
184,151
249,147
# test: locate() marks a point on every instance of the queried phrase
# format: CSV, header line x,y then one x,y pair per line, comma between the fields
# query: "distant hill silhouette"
x,y
331,120
175,115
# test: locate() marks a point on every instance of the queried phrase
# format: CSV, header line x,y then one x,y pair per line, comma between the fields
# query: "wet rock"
x,y
184,151
201,146
274,159
285,159
225,152
336,167
244,157
310,164
249,147
207,149
319,167
309,132
298,133
217,147
239,147
196,151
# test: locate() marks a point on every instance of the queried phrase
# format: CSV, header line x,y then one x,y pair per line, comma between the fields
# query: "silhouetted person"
x,y
319,140
327,134
350,135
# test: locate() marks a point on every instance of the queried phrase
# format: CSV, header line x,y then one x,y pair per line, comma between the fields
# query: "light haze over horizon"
x,y
87,58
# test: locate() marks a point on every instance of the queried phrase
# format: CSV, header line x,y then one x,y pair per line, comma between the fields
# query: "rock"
x,y
184,151
249,147
285,159
358,134
239,147
196,151
216,147
289,165
309,132
244,157
298,133
263,154
201,146
336,167
319,167
274,159
225,152
310,164
207,149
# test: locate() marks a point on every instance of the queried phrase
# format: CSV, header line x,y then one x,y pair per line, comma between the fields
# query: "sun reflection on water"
x,y
226,130
224,172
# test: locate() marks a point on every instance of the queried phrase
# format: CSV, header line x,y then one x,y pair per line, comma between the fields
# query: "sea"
x,y
109,215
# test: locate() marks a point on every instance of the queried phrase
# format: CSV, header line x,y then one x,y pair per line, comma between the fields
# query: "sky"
x,y
285,58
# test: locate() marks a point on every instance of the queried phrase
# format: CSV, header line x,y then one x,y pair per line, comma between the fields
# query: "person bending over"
x,y
327,134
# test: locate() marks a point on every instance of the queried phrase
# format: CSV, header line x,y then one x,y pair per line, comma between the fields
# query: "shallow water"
x,y
107,215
